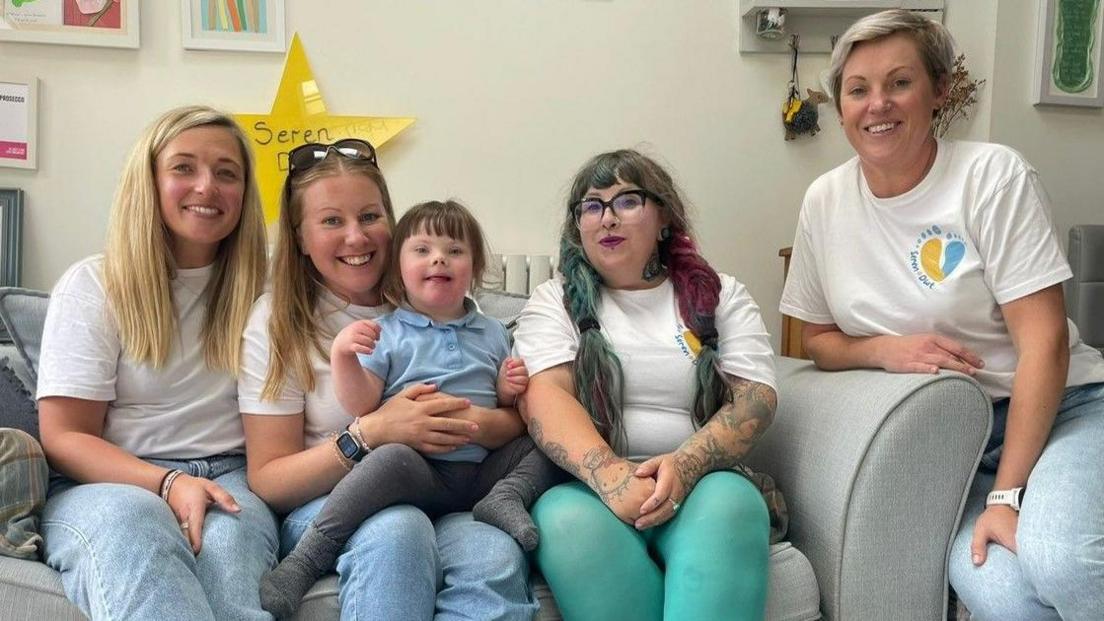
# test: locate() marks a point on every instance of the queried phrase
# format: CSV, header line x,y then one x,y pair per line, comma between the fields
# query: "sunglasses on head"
x,y
304,157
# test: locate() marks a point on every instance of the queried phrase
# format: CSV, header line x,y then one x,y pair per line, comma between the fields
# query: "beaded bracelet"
x,y
340,456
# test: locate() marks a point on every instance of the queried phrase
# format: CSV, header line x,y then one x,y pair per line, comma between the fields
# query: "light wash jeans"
x,y
399,565
1059,571
122,555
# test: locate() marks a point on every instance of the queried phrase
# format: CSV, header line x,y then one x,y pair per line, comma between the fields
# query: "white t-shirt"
x,y
941,258
323,413
657,357
183,410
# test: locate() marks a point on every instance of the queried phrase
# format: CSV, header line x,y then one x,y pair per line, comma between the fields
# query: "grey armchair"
x,y
1085,291
875,467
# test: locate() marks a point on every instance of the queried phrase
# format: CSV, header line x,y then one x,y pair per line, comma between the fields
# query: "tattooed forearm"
x,y
554,450
600,468
730,434
606,473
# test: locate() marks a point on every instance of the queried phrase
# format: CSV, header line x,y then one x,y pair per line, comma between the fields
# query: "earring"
x,y
653,268
665,233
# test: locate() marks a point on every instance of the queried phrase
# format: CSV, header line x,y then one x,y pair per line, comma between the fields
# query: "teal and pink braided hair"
x,y
597,370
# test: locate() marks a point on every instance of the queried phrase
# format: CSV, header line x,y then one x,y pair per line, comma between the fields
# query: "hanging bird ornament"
x,y
800,116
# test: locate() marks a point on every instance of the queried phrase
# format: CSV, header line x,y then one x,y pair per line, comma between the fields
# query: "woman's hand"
x,y
925,353
998,524
670,490
189,498
419,419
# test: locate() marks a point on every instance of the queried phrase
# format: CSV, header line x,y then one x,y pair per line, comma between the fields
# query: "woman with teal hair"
x,y
652,376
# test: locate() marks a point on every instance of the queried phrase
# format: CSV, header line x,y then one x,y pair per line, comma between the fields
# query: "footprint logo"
x,y
939,259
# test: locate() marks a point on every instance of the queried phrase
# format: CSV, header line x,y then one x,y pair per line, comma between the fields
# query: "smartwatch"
x,y
1011,497
349,446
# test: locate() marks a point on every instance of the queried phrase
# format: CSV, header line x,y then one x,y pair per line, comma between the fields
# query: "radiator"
x,y
518,273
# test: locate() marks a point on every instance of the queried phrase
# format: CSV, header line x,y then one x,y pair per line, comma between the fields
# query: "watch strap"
x,y
1010,497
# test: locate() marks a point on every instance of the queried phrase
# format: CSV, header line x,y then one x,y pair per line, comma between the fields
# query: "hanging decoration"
x,y
800,116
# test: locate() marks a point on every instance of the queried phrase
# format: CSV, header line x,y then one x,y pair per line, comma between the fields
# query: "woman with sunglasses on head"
x,y
652,376
332,253
152,518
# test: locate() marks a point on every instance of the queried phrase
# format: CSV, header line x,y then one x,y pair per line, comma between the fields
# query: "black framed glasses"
x,y
306,156
626,207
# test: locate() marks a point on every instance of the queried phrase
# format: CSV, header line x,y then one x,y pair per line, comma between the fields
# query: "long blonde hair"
x,y
138,263
293,328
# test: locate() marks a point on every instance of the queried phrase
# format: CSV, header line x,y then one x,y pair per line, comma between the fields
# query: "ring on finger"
x,y
184,525
674,504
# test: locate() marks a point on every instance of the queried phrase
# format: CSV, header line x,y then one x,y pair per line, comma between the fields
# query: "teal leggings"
x,y
708,562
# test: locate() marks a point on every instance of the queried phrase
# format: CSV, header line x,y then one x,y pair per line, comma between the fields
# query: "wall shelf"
x,y
817,21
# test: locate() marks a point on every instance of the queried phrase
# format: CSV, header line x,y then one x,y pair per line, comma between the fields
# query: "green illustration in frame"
x,y
1073,69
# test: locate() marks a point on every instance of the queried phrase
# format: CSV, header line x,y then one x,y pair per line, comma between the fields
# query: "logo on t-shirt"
x,y
935,255
688,343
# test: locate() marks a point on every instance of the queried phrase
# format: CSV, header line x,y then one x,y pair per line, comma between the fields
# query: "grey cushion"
x,y
23,313
793,594
18,408
1085,291
501,305
31,590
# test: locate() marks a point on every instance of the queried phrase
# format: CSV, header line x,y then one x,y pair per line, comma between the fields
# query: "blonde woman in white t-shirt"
x,y
923,254
152,518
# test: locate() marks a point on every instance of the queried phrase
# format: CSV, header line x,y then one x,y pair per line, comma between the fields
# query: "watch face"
x,y
348,446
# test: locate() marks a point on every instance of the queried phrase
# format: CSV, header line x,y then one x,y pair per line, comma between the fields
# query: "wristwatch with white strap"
x,y
1011,497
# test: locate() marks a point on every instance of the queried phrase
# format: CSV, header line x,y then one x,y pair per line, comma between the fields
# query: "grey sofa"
x,y
1085,291
875,468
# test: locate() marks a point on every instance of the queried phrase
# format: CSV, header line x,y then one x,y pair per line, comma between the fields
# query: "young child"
x,y
436,336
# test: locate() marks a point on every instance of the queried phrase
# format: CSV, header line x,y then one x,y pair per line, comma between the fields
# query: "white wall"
x,y
1065,144
511,97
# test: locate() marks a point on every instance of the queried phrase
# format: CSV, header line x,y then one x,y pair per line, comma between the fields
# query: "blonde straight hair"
x,y
139,265
294,328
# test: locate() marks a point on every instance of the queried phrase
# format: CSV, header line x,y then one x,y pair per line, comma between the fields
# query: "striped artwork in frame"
x,y
240,25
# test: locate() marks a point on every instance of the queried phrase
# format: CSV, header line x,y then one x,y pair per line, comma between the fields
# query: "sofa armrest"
x,y
875,468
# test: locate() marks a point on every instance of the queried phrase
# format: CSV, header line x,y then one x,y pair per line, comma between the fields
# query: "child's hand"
x,y
513,377
359,337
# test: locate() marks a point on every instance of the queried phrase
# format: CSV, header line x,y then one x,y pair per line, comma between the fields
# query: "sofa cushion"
x,y
501,305
31,590
23,313
793,594
18,408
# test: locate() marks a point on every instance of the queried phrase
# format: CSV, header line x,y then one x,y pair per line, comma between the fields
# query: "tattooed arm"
x,y
563,430
720,444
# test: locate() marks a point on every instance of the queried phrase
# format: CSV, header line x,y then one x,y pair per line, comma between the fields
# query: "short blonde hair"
x,y
933,41
139,265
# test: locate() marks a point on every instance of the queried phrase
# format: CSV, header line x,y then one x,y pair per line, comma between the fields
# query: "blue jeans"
x,y
122,555
1059,570
399,565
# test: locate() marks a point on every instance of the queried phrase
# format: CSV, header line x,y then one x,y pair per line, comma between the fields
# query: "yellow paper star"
x,y
299,116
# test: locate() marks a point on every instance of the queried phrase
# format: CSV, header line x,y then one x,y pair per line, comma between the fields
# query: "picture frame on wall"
x,y
11,237
236,25
1070,53
18,121
101,23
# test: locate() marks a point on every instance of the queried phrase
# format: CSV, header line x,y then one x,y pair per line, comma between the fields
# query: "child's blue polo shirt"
x,y
461,357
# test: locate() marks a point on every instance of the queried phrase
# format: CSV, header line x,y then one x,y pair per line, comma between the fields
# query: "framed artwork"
x,y
11,237
1070,51
104,23
18,121
241,25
